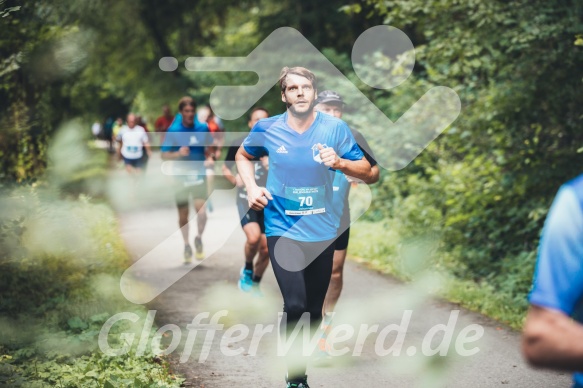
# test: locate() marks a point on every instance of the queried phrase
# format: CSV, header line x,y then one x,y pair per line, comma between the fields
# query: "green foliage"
x,y
24,368
483,188
381,246
59,283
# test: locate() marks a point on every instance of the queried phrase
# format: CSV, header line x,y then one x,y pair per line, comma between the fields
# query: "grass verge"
x,y
59,284
380,247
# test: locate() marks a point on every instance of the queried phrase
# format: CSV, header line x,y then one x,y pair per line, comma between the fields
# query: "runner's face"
x,y
298,95
256,116
131,121
187,116
330,109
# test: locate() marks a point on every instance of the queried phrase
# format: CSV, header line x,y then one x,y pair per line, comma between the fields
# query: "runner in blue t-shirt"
x,y
185,142
331,103
551,337
304,151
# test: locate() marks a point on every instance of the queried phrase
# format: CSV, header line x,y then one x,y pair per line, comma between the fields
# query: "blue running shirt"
x,y
196,138
558,280
301,186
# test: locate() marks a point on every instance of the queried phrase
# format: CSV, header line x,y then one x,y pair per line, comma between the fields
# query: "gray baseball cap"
x,y
329,96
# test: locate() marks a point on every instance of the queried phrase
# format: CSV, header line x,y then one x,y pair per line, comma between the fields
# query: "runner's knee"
x,y
253,239
183,216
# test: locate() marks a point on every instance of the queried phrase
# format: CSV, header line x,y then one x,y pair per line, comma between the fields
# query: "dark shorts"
x,y
341,242
183,194
137,163
251,215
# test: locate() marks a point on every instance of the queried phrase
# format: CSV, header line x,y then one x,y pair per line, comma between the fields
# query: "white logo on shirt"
x,y
316,152
193,140
281,150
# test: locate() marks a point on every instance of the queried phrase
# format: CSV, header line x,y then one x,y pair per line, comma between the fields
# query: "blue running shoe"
x,y
246,280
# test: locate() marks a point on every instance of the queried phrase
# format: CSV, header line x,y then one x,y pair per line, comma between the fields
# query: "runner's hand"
x,y
329,156
184,151
258,197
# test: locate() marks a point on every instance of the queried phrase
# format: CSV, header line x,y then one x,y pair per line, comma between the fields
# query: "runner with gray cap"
x,y
331,103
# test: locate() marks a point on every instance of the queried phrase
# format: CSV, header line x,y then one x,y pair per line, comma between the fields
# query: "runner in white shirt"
x,y
132,140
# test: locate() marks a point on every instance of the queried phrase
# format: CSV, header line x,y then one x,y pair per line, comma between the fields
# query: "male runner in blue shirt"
x,y
553,333
185,142
304,148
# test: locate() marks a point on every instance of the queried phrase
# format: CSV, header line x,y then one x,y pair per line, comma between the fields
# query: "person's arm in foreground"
x,y
551,338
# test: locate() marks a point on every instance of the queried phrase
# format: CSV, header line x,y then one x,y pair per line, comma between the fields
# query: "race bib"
x,y
300,201
132,152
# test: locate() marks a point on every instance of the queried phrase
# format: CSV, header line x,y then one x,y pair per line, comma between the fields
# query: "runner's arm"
x,y
146,143
368,154
120,141
359,169
229,163
552,339
257,196
182,151
373,175
148,149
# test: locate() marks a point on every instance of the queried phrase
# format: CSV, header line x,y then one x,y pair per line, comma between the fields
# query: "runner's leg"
x,y
253,234
336,281
183,221
201,215
262,259
303,291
